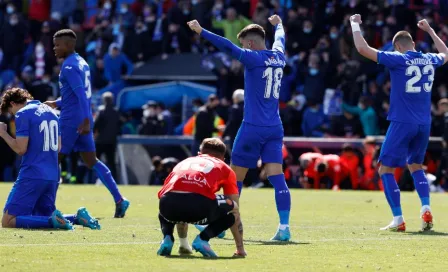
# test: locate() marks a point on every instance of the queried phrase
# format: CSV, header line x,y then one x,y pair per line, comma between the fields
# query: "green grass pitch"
x,y
331,231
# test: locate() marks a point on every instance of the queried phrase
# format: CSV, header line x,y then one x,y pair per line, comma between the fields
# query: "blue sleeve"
x,y
76,83
59,102
246,57
389,59
279,39
129,65
437,59
22,125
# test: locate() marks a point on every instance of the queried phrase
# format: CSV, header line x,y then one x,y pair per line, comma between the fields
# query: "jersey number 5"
x,y
50,131
273,75
87,84
417,75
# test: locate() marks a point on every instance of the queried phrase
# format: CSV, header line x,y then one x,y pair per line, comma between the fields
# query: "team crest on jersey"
x,y
68,67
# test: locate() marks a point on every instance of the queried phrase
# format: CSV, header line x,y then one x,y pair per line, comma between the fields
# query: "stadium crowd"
x,y
114,36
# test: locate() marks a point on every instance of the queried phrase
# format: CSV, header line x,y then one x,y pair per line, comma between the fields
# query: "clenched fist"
x,y
424,25
275,20
356,19
195,26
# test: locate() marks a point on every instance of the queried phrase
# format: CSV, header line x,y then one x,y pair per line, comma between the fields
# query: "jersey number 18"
x,y
273,76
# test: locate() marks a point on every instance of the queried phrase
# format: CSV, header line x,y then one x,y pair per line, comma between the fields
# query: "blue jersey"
x,y
262,77
74,82
412,76
40,124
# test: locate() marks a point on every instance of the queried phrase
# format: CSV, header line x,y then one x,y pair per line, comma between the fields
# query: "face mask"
x,y
307,30
10,9
361,106
218,6
194,2
13,21
313,71
45,80
185,11
333,35
107,5
195,109
379,23
124,10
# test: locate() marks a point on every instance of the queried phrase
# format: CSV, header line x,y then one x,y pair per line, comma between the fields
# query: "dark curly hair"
x,y
16,95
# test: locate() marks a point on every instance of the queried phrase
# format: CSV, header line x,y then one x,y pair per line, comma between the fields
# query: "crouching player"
x,y
188,196
31,203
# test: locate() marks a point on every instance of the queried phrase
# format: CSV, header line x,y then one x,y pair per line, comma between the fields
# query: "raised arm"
x,y
361,45
279,38
222,43
440,45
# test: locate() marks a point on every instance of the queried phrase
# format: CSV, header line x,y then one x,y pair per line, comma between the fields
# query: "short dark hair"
x,y
443,101
252,29
321,167
16,95
366,101
214,147
402,37
65,33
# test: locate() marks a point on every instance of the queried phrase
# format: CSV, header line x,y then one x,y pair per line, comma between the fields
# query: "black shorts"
x,y
193,208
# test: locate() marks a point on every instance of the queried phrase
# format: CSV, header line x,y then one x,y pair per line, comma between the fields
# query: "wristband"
x,y
355,27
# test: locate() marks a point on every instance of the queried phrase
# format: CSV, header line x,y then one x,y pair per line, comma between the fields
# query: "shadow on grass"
x,y
275,243
427,233
201,257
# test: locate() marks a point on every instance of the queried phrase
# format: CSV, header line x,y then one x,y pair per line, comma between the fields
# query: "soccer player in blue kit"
x,y
412,75
76,114
31,203
261,134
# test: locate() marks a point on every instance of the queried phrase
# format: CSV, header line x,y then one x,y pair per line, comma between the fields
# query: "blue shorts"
x,y
253,142
32,197
404,143
72,141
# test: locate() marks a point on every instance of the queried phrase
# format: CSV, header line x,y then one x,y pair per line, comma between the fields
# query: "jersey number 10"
x,y
273,76
50,130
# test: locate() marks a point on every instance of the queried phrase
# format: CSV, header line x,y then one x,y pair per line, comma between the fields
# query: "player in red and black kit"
x,y
188,196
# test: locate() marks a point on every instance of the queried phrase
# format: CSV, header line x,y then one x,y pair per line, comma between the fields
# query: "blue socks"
x,y
282,197
71,218
392,193
33,222
106,178
240,186
422,186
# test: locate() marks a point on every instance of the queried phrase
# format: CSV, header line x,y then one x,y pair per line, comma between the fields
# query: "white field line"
x,y
223,242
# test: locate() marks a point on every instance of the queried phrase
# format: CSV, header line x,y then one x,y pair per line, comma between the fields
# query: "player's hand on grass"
x,y
275,20
52,104
84,128
3,129
356,19
240,254
424,25
195,26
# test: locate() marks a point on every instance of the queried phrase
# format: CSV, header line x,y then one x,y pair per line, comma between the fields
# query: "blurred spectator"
x,y
313,74
314,122
151,124
138,42
106,130
232,25
205,123
39,12
347,126
366,115
113,63
13,34
42,89
292,115
190,125
157,172
235,119
442,171
166,118
129,124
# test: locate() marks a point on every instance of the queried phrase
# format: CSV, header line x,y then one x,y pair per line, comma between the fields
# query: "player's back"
x,y
40,124
263,75
412,76
74,68
202,174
